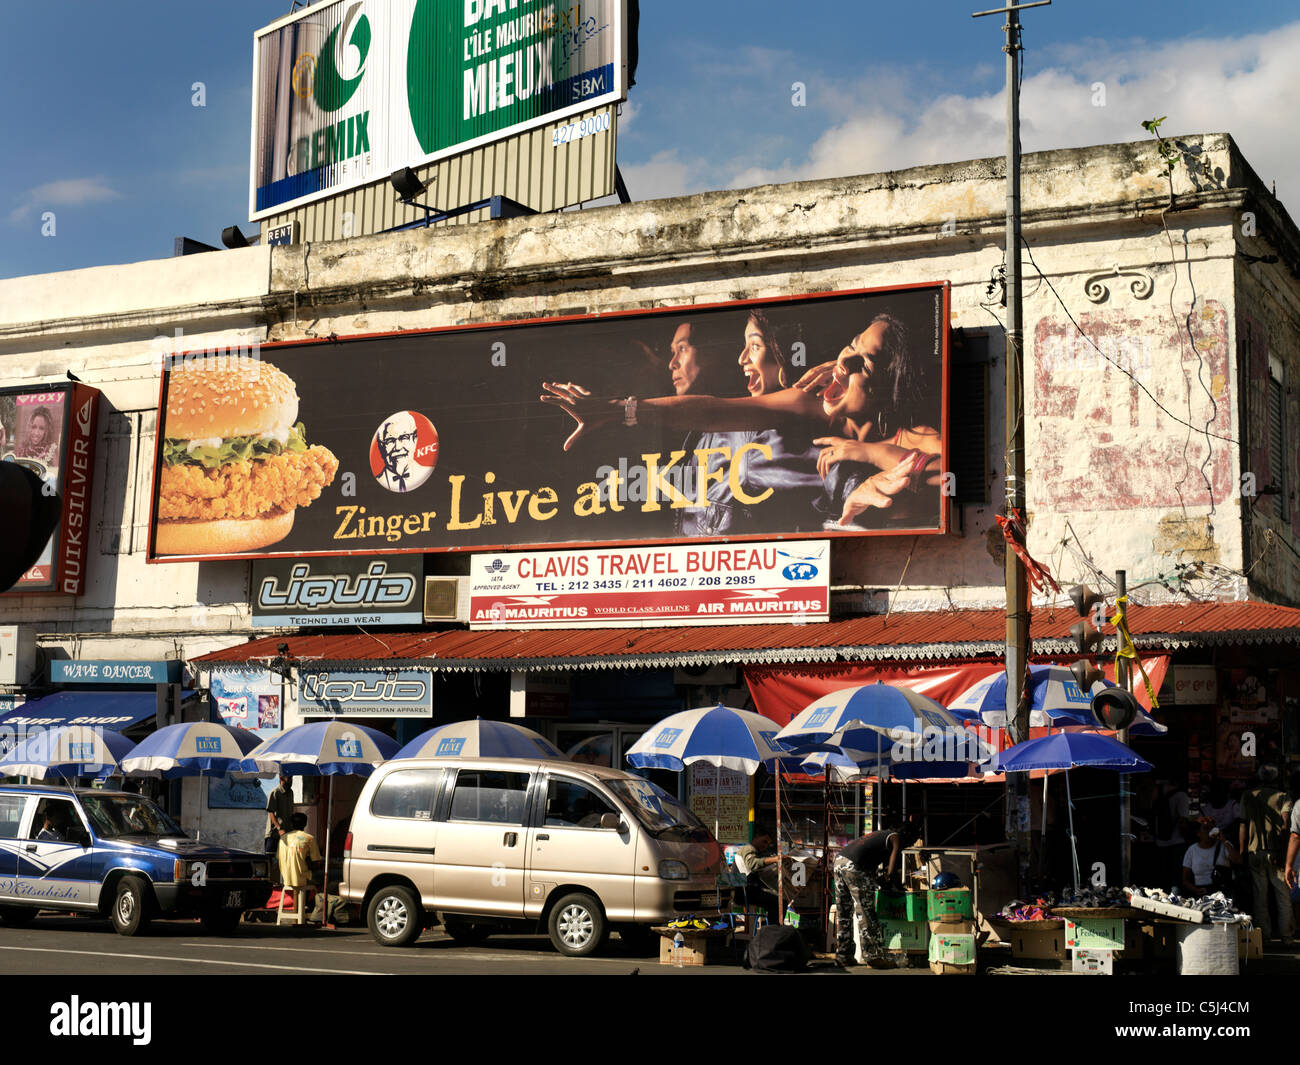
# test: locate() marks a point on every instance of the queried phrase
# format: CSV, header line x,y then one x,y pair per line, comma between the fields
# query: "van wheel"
x,y
466,932
17,916
130,912
395,917
577,925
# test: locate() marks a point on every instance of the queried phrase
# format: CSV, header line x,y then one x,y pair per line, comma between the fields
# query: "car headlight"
x,y
671,870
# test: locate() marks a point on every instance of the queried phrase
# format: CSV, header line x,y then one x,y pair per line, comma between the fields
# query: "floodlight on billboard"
x,y
344,94
764,419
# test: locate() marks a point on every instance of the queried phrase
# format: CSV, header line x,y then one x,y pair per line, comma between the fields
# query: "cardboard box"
x,y
913,936
954,928
954,904
694,951
941,968
952,949
1095,933
1049,944
1097,962
1250,942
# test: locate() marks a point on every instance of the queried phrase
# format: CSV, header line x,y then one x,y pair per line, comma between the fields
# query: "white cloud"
x,y
69,192
663,176
1244,86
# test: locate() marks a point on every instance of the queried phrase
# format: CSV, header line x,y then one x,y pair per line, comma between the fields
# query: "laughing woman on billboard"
x,y
845,406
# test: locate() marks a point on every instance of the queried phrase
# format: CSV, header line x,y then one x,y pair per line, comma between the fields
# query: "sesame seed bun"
x,y
227,398
226,536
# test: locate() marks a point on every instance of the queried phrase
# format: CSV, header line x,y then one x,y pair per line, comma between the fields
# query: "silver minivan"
x,y
492,843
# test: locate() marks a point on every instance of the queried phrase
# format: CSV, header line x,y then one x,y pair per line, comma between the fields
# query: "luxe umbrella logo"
x,y
331,90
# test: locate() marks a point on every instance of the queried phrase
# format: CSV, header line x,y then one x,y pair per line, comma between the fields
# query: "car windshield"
x,y
128,815
662,815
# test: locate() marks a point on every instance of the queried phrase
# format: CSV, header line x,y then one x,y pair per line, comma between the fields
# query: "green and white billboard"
x,y
346,93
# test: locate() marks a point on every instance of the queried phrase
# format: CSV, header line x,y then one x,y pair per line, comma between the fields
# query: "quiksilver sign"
x,y
338,591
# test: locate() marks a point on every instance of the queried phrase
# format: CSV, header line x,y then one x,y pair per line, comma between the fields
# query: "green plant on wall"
x,y
1168,152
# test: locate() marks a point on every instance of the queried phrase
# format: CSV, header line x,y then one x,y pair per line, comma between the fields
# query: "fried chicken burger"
x,y
235,463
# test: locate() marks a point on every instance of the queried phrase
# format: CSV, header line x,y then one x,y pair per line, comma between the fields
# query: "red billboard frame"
x,y
943,527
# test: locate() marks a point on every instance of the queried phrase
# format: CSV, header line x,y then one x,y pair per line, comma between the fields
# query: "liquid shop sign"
x,y
433,442
347,93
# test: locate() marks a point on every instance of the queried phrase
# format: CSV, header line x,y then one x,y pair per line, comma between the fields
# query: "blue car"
x,y
117,855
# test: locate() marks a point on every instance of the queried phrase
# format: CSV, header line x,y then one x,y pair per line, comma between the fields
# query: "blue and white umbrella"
x,y
719,735
68,751
731,739
322,748
1066,750
866,717
189,749
1055,701
480,739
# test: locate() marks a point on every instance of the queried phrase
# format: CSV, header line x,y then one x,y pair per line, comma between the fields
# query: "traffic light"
x,y
1114,708
1086,633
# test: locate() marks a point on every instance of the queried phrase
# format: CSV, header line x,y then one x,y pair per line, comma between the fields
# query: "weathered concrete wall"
x,y
1112,477
1269,346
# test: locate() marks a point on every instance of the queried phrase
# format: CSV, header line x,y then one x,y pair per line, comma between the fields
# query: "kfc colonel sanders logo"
x,y
404,451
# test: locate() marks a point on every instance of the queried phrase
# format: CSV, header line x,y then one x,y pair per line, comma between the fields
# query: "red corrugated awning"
x,y
918,636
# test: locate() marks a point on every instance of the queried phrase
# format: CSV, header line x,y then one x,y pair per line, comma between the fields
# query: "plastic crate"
x,y
905,935
955,904
901,906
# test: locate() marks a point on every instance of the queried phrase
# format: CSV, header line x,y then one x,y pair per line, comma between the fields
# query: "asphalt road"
x,y
54,945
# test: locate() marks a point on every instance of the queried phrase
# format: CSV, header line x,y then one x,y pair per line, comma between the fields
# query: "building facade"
x,y
1161,356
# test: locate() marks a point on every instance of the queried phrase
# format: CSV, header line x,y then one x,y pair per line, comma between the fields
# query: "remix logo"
x,y
331,90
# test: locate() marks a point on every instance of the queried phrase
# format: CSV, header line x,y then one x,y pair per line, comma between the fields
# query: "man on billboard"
x,y
702,366
879,385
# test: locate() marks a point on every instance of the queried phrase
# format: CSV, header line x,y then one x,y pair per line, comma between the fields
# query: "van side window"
x,y
573,805
409,793
11,813
489,795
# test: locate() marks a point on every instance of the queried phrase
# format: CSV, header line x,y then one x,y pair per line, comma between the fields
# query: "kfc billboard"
x,y
766,419
51,430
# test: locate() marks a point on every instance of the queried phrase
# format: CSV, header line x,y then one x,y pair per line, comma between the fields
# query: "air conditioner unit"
x,y
713,676
17,654
446,599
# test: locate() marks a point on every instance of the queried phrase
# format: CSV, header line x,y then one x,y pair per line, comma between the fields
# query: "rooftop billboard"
x,y
344,94
755,420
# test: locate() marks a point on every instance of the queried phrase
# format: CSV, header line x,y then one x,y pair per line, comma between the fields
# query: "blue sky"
x,y
103,131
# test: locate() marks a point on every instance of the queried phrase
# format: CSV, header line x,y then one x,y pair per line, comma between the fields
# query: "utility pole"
x,y
1124,680
1017,585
